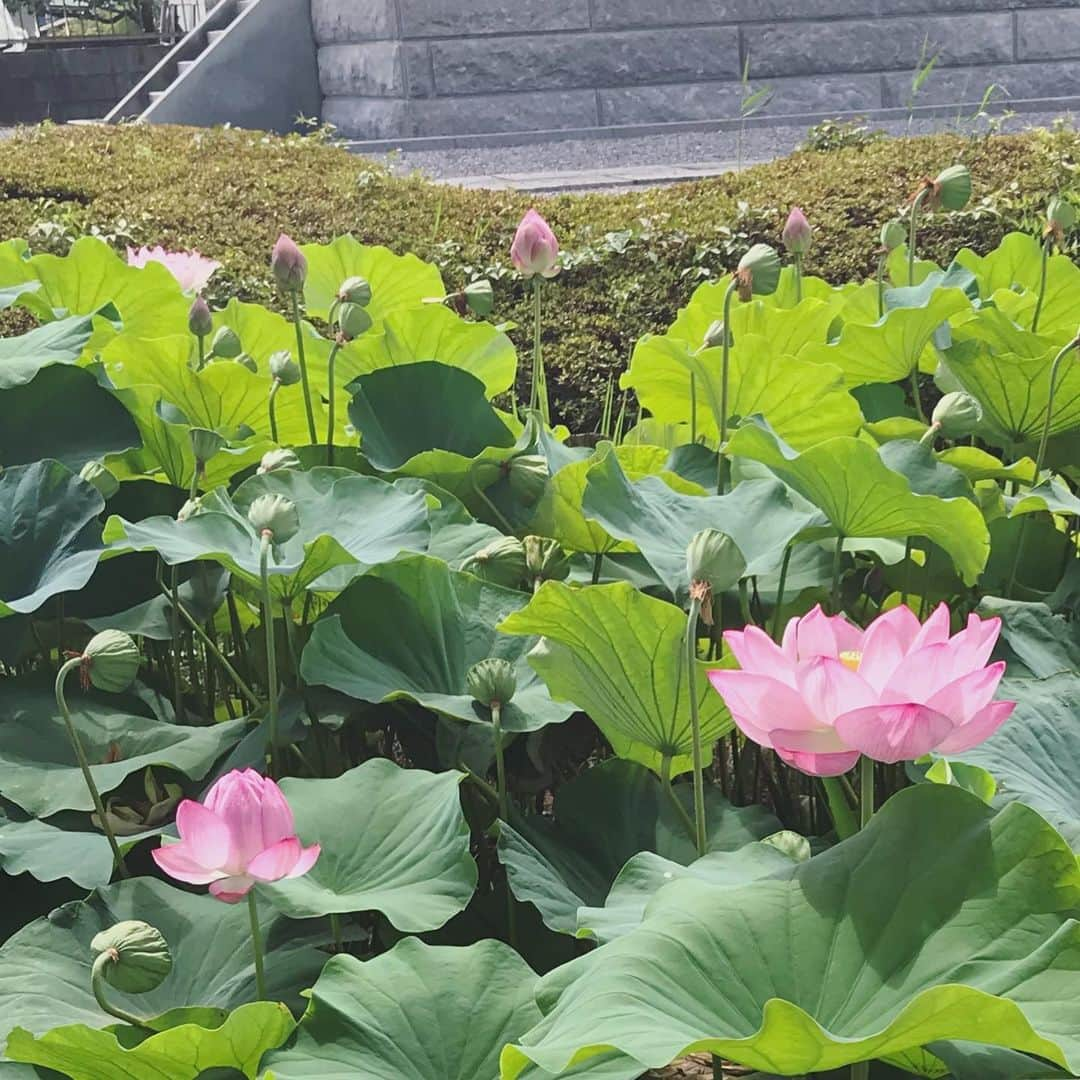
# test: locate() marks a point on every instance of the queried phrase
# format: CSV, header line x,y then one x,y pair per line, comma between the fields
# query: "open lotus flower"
x,y
190,269
535,249
242,834
896,691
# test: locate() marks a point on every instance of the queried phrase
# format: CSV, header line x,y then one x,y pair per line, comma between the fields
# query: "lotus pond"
x,y
358,720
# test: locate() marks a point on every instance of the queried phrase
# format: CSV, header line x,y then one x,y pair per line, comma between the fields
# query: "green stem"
x,y
335,929
201,338
271,650
272,409
843,818
496,513
178,690
881,264
916,206
597,566
838,554
725,365
744,603
907,570
798,278
680,810
1048,243
538,393
780,592
693,409
98,983
866,790
860,1070
84,764
695,726
504,810
302,358
929,436
915,395
330,403
257,947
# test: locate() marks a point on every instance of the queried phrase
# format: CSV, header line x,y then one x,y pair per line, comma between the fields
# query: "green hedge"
x,y
634,258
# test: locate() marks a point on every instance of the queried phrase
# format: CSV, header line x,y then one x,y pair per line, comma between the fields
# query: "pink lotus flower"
x,y
289,265
535,249
242,834
189,268
797,235
893,692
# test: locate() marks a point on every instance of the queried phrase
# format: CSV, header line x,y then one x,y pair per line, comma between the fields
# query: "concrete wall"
x,y
422,68
71,82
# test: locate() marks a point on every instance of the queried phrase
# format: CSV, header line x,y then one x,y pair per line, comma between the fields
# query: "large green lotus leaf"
x,y
646,873
263,332
977,1061
601,819
92,275
410,860
847,960
60,342
444,623
45,967
888,350
49,853
978,464
925,471
761,516
50,538
396,281
863,497
345,519
618,654
179,1053
433,332
1037,639
38,769
63,413
805,402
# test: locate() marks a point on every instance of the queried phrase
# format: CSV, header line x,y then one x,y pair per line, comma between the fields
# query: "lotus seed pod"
x,y
528,477
274,460
138,956
276,515
545,559
205,444
957,415
1061,214
714,558
247,361
288,265
226,344
284,368
502,562
893,234
355,290
190,508
200,321
353,320
93,472
759,271
953,188
492,682
797,235
480,297
111,661
714,336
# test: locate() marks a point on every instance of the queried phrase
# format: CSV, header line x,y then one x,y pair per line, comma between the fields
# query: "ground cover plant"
x,y
359,717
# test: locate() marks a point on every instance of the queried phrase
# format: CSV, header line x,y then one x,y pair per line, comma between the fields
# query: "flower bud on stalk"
x,y
797,235
132,956
758,273
479,297
352,321
545,560
274,515
275,460
893,235
502,562
492,682
288,264
226,344
714,563
283,368
956,415
528,475
355,290
200,321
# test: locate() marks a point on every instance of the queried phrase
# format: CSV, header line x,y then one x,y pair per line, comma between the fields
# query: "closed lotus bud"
x,y
492,682
1060,215
758,273
353,320
132,956
111,661
204,445
893,234
276,515
226,344
274,460
535,249
797,234
93,472
528,476
480,297
200,321
957,415
502,562
355,290
952,188
545,559
190,508
714,336
284,368
714,559
288,265
247,361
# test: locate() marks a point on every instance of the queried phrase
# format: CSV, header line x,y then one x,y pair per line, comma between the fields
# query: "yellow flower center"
x,y
851,660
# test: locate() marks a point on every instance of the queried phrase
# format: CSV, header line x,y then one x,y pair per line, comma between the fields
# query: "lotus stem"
x,y
98,984
84,764
272,409
693,409
916,396
881,264
916,206
504,809
257,947
780,592
271,650
597,566
302,358
1048,244
335,929
839,808
866,790
680,810
798,278
930,435
538,393
201,339
860,1070
838,553
496,513
695,726
174,622
725,365
330,403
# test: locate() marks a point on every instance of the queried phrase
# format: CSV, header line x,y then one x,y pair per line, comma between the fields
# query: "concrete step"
x,y
184,66
213,36
156,95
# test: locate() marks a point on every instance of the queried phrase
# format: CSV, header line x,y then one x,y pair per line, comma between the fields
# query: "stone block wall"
x,y
421,68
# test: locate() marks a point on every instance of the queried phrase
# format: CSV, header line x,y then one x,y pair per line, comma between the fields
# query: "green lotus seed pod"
x,y
284,368
355,290
226,344
244,360
893,234
273,460
714,558
480,297
111,661
528,477
276,515
545,559
761,267
957,415
205,444
1061,214
93,472
137,956
352,320
714,336
953,188
502,562
190,508
492,682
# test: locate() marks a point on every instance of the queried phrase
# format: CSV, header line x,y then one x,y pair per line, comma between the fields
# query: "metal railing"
x,y
41,23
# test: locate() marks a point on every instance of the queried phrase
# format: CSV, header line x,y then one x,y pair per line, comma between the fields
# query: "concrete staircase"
x,y
422,71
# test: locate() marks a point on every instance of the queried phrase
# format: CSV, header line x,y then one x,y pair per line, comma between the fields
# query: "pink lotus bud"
x,y
200,321
797,234
243,833
535,249
288,264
